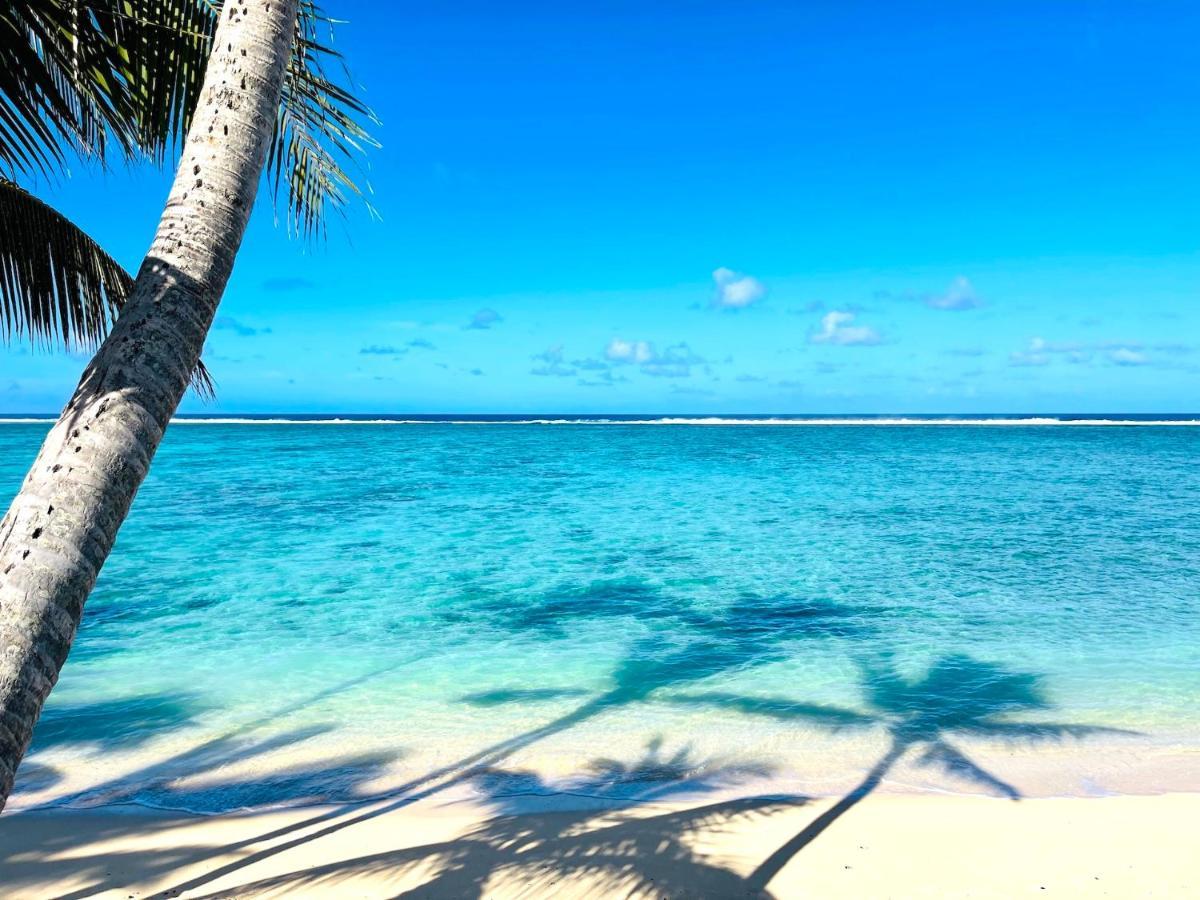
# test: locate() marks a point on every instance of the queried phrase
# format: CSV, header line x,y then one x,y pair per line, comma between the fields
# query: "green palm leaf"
x,y
57,286
53,89
78,76
80,71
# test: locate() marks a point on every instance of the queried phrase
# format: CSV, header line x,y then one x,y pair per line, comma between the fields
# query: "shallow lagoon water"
x,y
305,612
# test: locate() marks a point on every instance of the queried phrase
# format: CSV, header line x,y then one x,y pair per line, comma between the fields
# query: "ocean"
x,y
325,609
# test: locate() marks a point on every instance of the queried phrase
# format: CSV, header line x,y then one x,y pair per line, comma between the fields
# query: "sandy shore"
x,y
885,846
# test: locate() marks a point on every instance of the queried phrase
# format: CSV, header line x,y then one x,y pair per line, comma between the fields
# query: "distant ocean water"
x,y
297,613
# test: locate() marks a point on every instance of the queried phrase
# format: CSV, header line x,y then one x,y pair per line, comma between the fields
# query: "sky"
x,y
723,207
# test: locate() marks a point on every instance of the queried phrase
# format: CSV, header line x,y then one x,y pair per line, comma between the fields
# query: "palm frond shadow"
x,y
184,780
197,779
613,849
612,838
956,695
712,644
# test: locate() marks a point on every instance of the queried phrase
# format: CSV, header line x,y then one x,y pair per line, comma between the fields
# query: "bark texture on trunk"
x,y
62,524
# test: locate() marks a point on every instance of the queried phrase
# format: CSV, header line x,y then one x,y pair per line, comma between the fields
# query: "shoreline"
x,y
886,845
598,766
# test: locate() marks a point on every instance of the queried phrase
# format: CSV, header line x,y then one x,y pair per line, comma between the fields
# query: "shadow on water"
x,y
113,724
188,780
957,695
705,644
195,780
555,612
629,850
615,847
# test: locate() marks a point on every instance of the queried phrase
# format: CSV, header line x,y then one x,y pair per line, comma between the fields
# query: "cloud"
x,y
591,365
552,363
1124,356
279,285
619,351
484,319
228,323
735,290
836,329
392,350
1174,348
1041,352
476,372
383,350
675,361
1036,354
603,379
959,296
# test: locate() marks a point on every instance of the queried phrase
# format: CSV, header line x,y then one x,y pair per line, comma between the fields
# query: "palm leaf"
x,y
57,286
76,71
53,90
320,122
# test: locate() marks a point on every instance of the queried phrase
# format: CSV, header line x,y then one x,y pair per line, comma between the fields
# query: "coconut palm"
x,y
93,79
244,83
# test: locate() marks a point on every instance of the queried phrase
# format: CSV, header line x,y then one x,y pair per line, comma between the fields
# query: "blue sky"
x,y
720,207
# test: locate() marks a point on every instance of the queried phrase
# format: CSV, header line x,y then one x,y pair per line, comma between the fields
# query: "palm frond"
x,y
78,71
54,90
156,52
57,286
320,127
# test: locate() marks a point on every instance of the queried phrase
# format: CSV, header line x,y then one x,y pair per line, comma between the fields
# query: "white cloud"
x,y
735,290
552,363
675,361
1034,355
1041,352
836,329
1124,356
960,295
620,351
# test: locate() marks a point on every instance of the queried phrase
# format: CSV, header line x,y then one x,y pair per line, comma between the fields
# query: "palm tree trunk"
x,y
62,524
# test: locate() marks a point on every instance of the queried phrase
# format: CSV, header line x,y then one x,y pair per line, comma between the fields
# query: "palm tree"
x,y
88,78
105,69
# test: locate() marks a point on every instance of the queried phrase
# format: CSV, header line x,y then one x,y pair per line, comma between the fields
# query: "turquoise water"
x,y
303,612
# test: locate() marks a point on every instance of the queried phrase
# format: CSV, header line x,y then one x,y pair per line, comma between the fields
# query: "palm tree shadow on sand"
x,y
606,837
957,695
710,644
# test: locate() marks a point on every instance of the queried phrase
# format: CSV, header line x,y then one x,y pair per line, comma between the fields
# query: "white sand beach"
x,y
886,846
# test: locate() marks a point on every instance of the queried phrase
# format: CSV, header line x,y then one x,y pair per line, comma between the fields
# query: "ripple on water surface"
x,y
296,612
